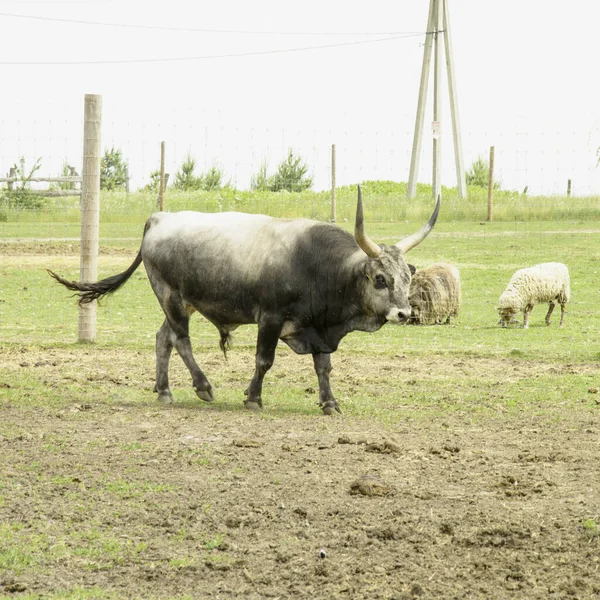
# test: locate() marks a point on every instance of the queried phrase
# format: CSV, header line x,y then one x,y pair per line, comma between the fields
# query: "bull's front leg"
x,y
268,336
327,402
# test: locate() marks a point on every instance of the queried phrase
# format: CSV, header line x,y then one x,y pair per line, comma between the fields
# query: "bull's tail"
x,y
88,292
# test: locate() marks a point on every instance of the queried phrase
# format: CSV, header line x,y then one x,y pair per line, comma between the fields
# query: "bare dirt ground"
x,y
119,495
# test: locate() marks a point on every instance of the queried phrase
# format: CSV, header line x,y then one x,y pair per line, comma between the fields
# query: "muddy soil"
x,y
115,494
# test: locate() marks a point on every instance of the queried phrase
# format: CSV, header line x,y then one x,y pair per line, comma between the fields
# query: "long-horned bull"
x,y
303,282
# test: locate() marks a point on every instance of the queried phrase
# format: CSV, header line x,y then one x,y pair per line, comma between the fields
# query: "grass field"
x,y
492,493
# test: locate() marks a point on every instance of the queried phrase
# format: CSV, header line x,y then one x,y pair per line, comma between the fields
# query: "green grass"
x,y
45,373
123,214
37,313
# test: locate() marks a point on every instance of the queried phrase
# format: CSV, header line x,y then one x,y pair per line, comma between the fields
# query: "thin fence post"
x,y
568,187
11,173
333,186
90,210
491,186
72,173
162,183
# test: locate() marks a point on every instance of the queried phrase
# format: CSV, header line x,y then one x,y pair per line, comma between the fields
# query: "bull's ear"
x,y
408,243
367,245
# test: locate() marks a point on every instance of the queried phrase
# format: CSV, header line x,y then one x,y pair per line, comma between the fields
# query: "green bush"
x,y
113,171
186,180
291,176
22,197
479,174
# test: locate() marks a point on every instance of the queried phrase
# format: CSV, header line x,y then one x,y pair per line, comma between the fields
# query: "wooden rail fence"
x,y
73,180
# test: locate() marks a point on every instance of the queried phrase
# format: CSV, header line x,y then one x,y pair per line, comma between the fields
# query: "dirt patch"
x,y
46,247
212,501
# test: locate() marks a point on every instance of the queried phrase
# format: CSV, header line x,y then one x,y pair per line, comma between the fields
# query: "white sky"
x,y
526,74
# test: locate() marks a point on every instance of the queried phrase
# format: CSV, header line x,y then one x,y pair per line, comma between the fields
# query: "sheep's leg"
x,y
550,309
562,314
526,312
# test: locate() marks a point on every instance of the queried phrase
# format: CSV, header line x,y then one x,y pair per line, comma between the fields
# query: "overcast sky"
x,y
235,82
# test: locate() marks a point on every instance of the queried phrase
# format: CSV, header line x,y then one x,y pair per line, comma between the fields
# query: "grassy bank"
x,y
385,201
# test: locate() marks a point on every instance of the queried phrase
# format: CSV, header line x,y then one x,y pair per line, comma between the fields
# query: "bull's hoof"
x,y
206,395
165,397
256,406
330,408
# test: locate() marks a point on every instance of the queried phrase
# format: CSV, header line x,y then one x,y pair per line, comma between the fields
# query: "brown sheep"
x,y
434,294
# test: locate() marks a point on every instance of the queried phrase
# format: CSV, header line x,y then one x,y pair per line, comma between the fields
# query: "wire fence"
x,y
527,159
534,218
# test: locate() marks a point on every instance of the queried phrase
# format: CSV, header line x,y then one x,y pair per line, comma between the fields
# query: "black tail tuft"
x,y
88,292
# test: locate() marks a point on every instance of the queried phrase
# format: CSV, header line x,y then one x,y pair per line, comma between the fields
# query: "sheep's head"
x,y
507,315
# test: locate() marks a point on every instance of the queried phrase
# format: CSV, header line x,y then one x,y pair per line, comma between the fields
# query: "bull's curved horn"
x,y
416,238
368,246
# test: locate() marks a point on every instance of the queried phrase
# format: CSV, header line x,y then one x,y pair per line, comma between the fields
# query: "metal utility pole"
x,y
438,23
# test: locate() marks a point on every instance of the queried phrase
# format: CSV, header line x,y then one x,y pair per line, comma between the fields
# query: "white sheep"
x,y
546,282
434,294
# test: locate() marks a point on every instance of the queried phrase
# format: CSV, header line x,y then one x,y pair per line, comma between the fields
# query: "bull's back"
x,y
212,256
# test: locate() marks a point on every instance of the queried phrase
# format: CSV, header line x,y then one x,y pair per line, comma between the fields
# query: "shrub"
x,y
186,180
22,196
260,181
113,171
291,176
154,182
479,174
65,171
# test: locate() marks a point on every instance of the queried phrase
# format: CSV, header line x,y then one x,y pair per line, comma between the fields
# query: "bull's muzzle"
x,y
398,315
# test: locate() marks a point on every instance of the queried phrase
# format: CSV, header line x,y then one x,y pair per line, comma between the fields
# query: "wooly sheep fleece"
x,y
435,294
546,282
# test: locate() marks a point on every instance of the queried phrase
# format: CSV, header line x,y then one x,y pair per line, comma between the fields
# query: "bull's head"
x,y
388,275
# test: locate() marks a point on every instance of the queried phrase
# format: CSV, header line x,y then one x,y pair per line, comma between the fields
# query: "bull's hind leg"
x,y
268,336
327,402
550,309
165,338
179,322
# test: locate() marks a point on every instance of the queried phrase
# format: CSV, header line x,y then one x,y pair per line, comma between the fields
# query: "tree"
x,y
260,181
291,175
184,178
154,182
213,178
113,171
479,174
65,171
23,176
22,196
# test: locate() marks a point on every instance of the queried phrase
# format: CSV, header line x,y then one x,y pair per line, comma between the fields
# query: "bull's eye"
x,y
380,281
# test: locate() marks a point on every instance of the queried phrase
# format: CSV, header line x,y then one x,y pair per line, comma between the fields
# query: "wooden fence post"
x,y
491,186
90,210
162,183
568,187
72,173
333,186
12,173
